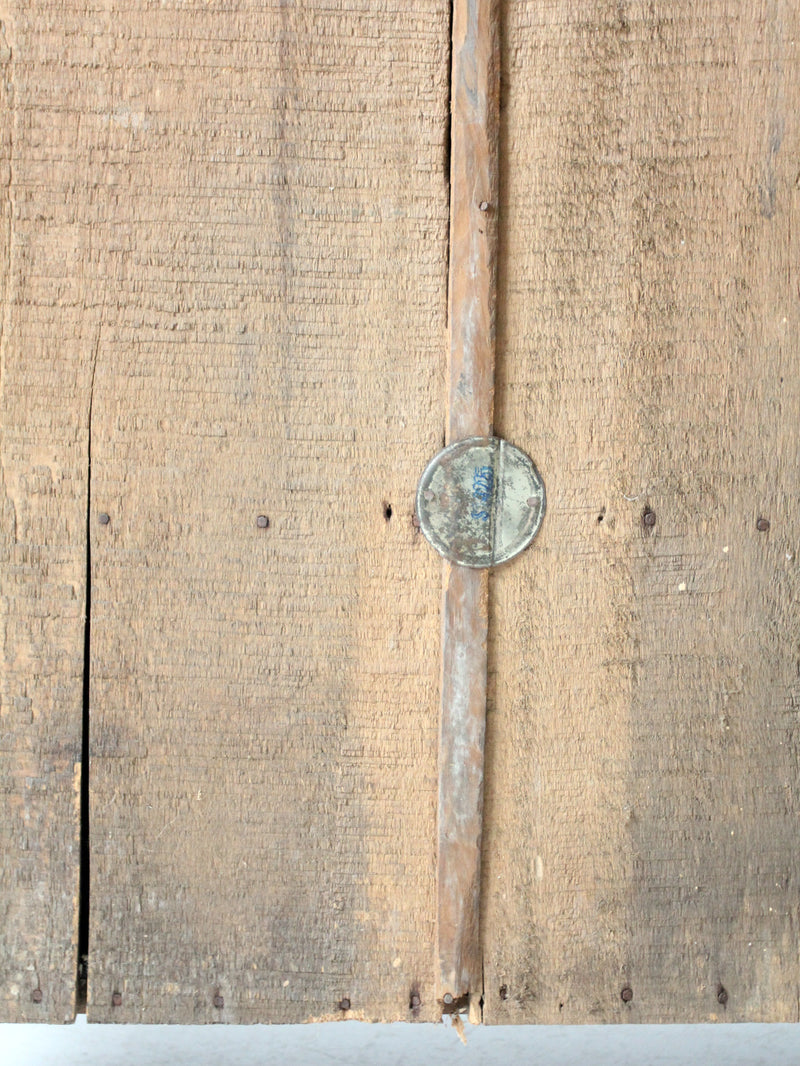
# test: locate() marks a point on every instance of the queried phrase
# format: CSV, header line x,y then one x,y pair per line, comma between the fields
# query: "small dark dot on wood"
x,y
103,519
116,999
387,511
626,994
415,1002
344,1003
600,517
219,1001
648,518
762,525
561,1006
262,522
36,995
722,995
503,991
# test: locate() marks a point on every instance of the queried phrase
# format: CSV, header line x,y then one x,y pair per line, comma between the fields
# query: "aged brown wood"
x,y
47,333
473,214
269,203
473,218
226,236
643,750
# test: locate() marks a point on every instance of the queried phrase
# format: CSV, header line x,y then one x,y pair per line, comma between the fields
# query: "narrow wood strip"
x,y
473,212
473,218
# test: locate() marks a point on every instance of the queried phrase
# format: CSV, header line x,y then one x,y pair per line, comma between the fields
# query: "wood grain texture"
x,y
470,393
46,340
271,213
642,738
473,217
461,757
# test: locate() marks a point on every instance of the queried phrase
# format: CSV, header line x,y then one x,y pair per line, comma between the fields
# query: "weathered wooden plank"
x,y
46,337
470,391
272,210
642,741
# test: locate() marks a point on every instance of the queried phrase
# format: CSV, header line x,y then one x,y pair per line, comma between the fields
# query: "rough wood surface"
x,y
223,248
473,217
470,392
46,337
642,739
461,750
271,211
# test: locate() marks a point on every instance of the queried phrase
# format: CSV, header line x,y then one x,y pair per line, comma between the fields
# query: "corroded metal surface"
x,y
480,502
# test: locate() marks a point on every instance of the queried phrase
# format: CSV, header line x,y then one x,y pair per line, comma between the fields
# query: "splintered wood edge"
x,y
472,287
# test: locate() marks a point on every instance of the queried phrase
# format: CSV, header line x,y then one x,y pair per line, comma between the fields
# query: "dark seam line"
x,y
82,977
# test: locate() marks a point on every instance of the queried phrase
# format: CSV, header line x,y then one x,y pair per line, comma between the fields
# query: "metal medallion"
x,y
480,502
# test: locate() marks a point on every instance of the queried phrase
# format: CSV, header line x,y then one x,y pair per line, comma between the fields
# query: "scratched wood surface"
x,y
46,335
269,199
223,251
642,738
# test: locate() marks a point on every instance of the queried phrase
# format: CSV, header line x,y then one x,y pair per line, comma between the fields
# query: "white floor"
x,y
359,1044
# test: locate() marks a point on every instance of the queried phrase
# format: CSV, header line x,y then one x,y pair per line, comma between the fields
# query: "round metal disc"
x,y
480,502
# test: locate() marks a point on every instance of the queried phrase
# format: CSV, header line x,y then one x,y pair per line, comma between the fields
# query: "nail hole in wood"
x,y
387,511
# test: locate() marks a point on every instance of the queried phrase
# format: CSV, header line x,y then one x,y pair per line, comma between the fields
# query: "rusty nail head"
x,y
344,1003
762,525
626,994
415,1000
649,518
262,521
484,205
722,996
448,998
116,999
219,1001
103,519
36,995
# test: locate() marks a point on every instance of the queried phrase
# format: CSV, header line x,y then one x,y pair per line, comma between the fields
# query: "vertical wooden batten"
x,y
473,212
